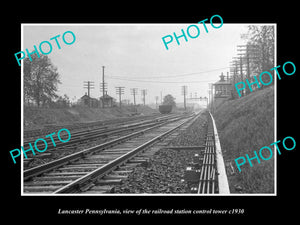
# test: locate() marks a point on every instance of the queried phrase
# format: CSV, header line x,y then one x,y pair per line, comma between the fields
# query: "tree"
x,y
40,80
169,100
62,102
263,38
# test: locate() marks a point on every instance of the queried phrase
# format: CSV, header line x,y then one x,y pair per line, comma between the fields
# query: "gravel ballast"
x,y
165,171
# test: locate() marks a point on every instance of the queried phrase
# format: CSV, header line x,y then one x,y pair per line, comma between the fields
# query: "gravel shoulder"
x,y
165,171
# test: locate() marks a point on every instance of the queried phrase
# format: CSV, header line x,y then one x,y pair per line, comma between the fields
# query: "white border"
x,y
167,195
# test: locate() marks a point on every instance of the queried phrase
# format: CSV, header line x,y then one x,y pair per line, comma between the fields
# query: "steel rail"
x,y
35,171
87,125
213,174
85,135
102,171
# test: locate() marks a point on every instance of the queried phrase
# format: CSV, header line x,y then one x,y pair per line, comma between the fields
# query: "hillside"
x,y
246,125
39,117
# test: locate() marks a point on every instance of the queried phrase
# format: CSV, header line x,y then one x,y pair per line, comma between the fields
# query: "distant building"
x,y
125,102
88,101
222,89
107,100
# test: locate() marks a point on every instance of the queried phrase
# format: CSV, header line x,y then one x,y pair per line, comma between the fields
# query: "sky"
x,y
134,56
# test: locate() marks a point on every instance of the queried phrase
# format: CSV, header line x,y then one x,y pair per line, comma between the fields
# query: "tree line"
x,y
41,80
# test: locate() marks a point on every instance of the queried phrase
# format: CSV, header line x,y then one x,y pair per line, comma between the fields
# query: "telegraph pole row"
x,y
248,52
120,91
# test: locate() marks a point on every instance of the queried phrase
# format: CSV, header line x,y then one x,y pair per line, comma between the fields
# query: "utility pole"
x,y
248,64
248,70
103,87
206,98
240,59
156,99
144,93
89,85
250,52
241,69
134,92
235,72
211,97
184,93
120,91
234,78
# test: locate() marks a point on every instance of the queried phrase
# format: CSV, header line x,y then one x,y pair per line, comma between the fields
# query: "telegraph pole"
x,y
134,92
241,70
89,85
144,93
249,52
103,87
184,93
240,59
156,99
211,97
120,91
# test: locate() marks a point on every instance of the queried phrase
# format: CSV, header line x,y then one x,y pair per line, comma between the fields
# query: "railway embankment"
x,y
36,118
244,125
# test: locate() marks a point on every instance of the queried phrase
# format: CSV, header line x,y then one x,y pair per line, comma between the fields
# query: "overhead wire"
x,y
155,81
142,79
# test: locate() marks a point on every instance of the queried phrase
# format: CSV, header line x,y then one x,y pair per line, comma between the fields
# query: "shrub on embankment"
x,y
246,125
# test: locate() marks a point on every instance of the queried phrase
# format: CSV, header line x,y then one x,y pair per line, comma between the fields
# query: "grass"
x,y
35,118
245,125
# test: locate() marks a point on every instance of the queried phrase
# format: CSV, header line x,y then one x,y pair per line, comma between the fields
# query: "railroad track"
x,y
79,171
87,125
207,173
88,132
208,182
86,136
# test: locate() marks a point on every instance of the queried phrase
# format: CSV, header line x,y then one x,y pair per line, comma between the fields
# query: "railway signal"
x,y
199,98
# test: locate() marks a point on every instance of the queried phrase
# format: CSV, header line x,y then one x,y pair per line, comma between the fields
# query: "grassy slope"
x,y
39,117
246,125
